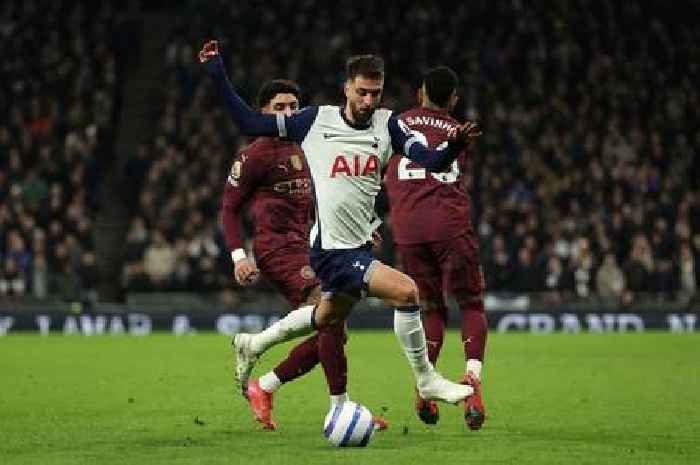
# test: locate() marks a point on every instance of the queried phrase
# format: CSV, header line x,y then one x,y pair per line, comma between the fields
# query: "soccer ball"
x,y
349,425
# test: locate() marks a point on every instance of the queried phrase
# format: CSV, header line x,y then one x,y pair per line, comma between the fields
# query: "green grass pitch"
x,y
598,399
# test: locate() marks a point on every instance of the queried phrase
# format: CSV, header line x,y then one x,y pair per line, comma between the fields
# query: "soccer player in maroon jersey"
x,y
435,242
270,176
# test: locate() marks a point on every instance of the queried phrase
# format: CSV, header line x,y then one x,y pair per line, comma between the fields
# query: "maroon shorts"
x,y
289,271
444,267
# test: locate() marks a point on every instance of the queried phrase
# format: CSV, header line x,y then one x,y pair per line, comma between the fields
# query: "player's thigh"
x,y
462,275
392,286
420,263
290,273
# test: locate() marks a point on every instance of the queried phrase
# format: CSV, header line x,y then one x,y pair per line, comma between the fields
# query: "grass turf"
x,y
630,398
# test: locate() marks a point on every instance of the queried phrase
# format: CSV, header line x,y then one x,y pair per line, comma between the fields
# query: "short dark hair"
x,y
270,89
440,82
369,66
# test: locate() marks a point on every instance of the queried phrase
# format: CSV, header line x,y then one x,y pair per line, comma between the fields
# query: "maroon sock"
x,y
331,352
434,326
301,360
474,329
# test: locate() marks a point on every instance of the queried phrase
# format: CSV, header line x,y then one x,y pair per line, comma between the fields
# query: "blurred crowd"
x,y
584,184
57,97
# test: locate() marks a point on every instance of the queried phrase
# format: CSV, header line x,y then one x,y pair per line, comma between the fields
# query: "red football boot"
x,y
474,411
427,410
261,403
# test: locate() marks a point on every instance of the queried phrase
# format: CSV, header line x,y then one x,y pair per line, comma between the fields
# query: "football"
x,y
349,425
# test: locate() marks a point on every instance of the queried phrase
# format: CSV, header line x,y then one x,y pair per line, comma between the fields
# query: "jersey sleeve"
x,y
253,123
405,142
297,126
247,173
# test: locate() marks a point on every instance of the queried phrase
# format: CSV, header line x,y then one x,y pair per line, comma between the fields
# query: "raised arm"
x,y
404,141
250,121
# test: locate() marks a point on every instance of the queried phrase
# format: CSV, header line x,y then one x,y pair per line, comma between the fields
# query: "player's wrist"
x,y
238,255
214,64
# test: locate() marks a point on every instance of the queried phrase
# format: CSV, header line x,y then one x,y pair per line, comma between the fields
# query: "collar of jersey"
x,y
440,111
350,123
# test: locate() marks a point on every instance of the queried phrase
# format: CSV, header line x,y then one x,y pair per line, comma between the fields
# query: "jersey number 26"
x,y
407,174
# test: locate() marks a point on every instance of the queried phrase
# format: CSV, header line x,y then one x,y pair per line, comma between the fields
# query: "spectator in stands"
x,y
525,277
87,270
40,276
688,272
159,261
65,282
610,280
498,266
557,282
17,251
640,266
581,264
13,281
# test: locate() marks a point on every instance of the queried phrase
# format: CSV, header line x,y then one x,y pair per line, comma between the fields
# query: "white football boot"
x,y
245,360
432,386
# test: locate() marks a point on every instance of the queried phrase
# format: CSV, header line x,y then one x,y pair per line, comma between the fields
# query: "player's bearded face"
x,y
363,97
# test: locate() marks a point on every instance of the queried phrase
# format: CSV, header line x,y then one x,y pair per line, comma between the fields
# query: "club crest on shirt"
x,y
235,173
307,273
297,162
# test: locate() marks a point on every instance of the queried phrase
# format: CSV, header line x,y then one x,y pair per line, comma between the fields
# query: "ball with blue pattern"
x,y
349,425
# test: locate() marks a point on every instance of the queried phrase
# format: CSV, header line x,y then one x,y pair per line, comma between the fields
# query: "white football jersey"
x,y
345,161
346,165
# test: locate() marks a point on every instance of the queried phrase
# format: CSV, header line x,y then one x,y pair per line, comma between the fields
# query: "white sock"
x,y
296,323
339,399
474,366
269,382
409,331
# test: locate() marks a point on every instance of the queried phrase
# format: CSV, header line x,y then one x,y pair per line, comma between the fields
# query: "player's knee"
x,y
431,306
328,314
470,301
327,320
407,292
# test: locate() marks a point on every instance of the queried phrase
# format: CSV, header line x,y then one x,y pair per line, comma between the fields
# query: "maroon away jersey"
x,y
272,177
427,207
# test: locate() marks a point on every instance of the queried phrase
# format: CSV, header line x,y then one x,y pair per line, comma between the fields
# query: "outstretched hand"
x,y
209,50
465,133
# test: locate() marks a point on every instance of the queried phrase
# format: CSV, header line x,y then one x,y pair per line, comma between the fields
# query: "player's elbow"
x,y
436,167
430,163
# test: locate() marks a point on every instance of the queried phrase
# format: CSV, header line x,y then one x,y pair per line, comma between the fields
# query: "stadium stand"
x,y
59,97
585,182
584,185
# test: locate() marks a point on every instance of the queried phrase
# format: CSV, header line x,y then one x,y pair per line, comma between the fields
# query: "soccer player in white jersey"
x,y
346,149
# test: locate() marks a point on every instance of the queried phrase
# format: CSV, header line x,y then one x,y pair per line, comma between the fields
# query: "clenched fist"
x,y
209,51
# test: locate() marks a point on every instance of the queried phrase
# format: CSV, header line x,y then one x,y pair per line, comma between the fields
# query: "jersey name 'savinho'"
x,y
439,123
